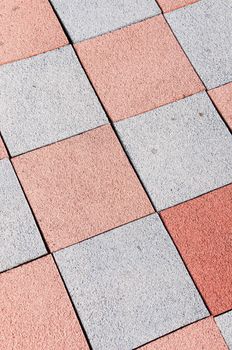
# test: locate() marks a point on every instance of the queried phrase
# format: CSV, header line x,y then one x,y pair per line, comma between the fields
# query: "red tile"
x,y
201,229
81,187
202,335
170,5
3,151
222,97
36,312
28,27
138,68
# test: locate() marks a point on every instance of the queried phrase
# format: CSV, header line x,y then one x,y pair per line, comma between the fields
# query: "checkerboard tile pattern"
x,y
115,174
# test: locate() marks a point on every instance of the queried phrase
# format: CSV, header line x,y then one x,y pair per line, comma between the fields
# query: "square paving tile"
x,y
20,240
3,151
180,150
202,335
138,68
204,31
81,187
129,285
36,311
201,229
45,99
28,27
171,5
222,97
224,322
84,20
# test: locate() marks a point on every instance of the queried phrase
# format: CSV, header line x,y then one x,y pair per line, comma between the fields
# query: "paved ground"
x,y
116,175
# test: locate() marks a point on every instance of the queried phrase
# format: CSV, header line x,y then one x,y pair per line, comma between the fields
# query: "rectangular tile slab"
x,y
20,240
129,285
180,151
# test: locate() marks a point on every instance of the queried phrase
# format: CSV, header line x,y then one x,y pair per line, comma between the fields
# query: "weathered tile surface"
x,y
3,151
222,97
129,285
204,31
36,312
28,27
138,68
84,20
180,150
171,5
224,322
20,240
81,187
45,99
201,229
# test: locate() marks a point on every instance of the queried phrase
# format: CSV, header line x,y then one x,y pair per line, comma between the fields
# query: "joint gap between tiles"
x,y
5,145
61,23
72,304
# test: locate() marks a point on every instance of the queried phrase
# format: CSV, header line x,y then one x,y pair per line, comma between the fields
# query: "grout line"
x,y
6,148
24,263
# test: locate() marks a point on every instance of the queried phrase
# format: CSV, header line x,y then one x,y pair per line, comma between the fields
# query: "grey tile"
x,y
20,240
44,99
129,285
224,323
180,150
204,31
86,19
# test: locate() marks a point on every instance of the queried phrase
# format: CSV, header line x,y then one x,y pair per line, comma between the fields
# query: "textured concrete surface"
x,y
180,150
132,283
138,68
201,229
222,97
224,322
3,151
81,187
86,19
204,31
45,99
36,311
20,240
28,27
171,5
202,335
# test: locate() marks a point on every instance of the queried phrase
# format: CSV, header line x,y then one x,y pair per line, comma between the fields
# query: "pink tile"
x,y
36,312
202,335
28,27
138,68
3,151
81,187
170,5
222,97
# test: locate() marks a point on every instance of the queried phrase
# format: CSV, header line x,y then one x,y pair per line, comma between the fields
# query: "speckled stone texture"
x,y
201,229
20,240
45,99
171,5
138,68
86,19
222,97
3,151
180,150
202,335
81,187
224,322
129,285
28,27
36,312
204,31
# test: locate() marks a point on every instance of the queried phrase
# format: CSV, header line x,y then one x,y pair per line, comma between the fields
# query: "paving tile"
x,y
171,5
28,27
224,322
45,99
222,97
201,229
202,335
36,311
20,240
138,68
180,150
81,187
85,20
3,151
204,31
132,283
